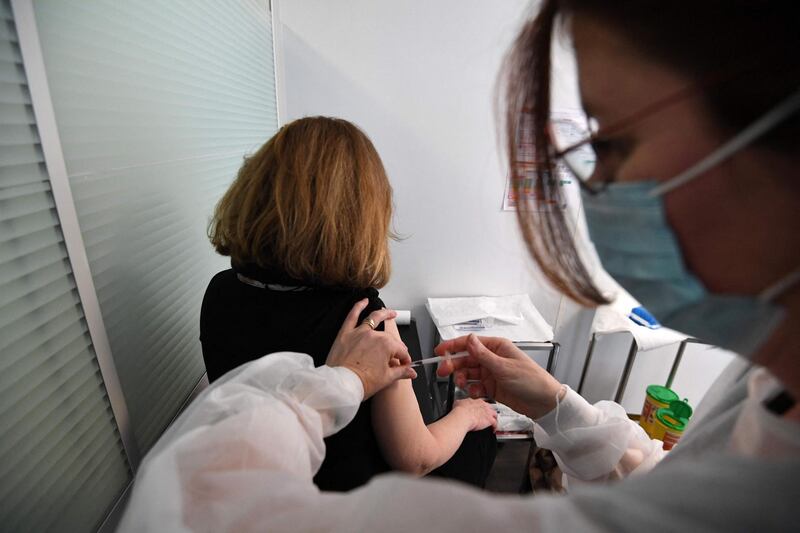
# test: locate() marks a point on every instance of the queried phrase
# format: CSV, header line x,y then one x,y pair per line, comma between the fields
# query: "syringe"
x,y
438,359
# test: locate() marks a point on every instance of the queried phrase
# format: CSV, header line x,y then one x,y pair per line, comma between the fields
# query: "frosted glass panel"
x,y
156,102
62,463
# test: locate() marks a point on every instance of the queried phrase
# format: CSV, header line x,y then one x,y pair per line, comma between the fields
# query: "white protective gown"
x,y
242,458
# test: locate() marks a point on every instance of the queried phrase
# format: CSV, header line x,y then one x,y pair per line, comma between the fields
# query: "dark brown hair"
x,y
313,202
753,43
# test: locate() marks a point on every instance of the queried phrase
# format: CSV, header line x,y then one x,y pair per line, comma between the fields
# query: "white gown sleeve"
x,y
242,458
596,442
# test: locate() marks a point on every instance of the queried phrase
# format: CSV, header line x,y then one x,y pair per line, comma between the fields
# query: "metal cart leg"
x,y
552,359
678,357
626,372
586,361
451,393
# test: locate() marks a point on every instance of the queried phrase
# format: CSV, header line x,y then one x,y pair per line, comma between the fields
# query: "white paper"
x,y
450,311
513,317
569,127
609,319
510,420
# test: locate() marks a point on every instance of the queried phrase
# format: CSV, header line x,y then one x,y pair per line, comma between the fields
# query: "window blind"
x,y
61,459
156,104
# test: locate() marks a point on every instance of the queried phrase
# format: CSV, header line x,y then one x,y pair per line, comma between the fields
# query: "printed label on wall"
x,y
568,128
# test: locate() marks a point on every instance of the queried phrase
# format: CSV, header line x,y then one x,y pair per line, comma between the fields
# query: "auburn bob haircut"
x,y
315,203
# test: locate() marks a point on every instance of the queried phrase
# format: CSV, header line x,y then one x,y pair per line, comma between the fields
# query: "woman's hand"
x,y
500,370
480,414
376,357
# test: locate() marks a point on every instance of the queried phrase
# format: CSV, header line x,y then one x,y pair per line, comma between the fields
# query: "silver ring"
x,y
371,323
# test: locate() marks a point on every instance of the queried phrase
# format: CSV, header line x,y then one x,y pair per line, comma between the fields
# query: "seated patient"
x,y
306,224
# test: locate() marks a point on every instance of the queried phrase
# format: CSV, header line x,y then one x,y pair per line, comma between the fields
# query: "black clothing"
x,y
243,320
240,323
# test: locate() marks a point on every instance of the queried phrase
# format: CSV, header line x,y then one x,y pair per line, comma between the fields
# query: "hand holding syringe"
x,y
438,359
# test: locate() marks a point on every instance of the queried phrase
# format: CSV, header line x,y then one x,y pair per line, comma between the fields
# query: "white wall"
x,y
419,78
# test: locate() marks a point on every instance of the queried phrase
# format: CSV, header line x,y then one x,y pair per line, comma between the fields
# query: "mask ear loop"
x,y
752,132
779,287
562,392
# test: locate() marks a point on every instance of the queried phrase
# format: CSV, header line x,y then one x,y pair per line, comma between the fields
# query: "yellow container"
x,y
670,423
656,398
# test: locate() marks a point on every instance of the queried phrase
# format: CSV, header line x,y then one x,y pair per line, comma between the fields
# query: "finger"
x,y
483,355
400,352
492,343
467,376
402,372
503,348
476,390
452,346
445,368
460,344
380,315
449,366
460,379
404,358
351,320
468,373
473,373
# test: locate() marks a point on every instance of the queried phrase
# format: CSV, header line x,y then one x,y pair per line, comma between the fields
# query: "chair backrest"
x,y
424,387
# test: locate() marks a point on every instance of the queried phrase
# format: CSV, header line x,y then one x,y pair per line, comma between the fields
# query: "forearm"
x,y
431,446
596,442
447,434
409,445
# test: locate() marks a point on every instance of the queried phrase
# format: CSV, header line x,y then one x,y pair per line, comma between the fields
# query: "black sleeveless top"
x,y
240,321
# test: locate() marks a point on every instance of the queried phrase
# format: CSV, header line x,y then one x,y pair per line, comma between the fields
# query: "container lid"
x,y
668,418
661,393
681,408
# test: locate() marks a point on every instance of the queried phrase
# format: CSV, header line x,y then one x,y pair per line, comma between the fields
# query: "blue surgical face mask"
x,y
637,247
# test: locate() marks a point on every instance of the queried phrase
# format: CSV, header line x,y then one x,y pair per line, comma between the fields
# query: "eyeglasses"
x,y
598,156
579,158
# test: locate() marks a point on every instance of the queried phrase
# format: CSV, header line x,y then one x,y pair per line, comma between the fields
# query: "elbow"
x,y
415,466
418,469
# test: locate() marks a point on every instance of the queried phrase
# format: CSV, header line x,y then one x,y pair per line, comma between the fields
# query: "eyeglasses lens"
x,y
580,160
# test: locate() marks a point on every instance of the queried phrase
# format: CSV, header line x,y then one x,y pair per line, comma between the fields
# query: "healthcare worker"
x,y
692,205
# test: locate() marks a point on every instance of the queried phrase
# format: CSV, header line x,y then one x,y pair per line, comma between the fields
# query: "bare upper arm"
x,y
398,423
